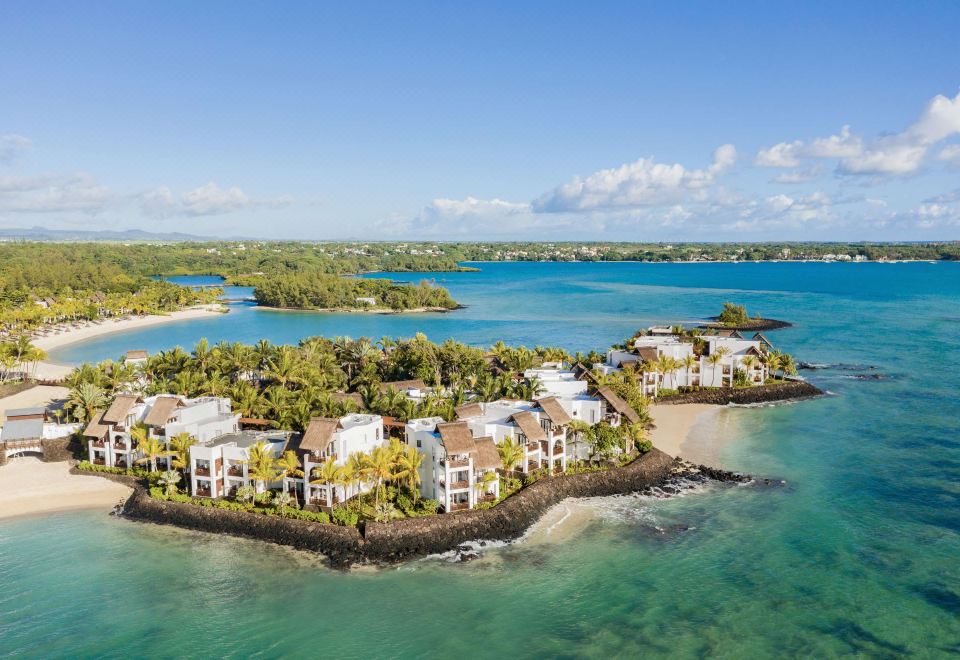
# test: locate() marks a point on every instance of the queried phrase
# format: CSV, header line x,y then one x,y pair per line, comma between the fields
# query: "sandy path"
x,y
53,371
29,486
50,397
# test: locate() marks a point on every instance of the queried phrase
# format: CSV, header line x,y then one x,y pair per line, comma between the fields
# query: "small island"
x,y
316,291
735,317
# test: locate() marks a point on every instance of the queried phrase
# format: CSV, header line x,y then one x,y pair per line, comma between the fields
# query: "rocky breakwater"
x,y
340,545
416,537
785,391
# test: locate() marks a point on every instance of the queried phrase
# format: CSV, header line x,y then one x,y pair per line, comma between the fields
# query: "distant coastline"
x,y
360,310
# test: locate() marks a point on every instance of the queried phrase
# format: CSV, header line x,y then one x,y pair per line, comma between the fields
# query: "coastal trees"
x,y
288,466
169,480
261,465
180,452
733,315
511,453
84,400
149,446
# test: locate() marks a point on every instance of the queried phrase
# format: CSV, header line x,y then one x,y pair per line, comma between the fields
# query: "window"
x,y
419,445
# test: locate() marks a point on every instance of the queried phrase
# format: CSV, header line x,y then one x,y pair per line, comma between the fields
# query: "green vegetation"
x,y
734,315
315,290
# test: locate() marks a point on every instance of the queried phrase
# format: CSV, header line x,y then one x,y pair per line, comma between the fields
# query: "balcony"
x,y
99,443
120,464
234,471
322,501
202,471
203,492
99,461
461,506
488,497
532,465
458,463
558,450
533,447
120,446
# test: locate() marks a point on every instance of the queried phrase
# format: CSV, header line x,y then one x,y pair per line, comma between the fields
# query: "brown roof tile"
x,y
554,410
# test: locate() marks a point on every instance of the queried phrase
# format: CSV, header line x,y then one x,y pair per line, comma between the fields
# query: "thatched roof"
x,y
120,408
401,385
648,353
161,410
456,437
762,339
486,457
529,426
618,404
554,410
319,434
349,397
96,428
137,355
729,333
469,410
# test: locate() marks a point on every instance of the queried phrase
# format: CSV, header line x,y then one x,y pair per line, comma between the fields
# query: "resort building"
x,y
334,439
136,357
458,469
570,387
542,436
25,429
415,390
109,439
219,466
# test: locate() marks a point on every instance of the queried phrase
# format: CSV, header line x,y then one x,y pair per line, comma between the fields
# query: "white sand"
x,y
29,486
675,424
52,371
50,397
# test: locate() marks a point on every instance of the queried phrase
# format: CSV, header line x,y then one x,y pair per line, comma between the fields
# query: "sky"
x,y
483,121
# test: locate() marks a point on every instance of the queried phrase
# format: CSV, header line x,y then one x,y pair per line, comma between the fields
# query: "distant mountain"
x,y
60,235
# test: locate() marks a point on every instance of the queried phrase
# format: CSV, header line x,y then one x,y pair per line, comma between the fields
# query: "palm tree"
x,y
151,447
261,465
289,466
180,450
582,434
84,400
688,362
714,359
510,452
721,353
408,461
169,480
354,470
484,482
328,474
379,469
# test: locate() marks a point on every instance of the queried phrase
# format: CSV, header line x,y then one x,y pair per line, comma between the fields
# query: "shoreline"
x,y
49,370
359,310
31,487
674,427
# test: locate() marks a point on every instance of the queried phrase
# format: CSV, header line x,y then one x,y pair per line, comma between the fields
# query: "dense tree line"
x,y
313,290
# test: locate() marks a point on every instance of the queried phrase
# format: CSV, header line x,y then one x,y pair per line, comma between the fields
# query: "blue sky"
x,y
557,121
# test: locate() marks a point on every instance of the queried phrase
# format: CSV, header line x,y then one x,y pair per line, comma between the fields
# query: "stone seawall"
x,y
411,537
508,520
61,449
791,389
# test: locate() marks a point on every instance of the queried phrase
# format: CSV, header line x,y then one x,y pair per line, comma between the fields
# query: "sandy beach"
x,y
50,397
53,371
674,425
29,486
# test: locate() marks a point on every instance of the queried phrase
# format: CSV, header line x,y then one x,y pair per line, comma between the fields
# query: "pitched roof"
x,y
619,404
319,434
21,429
469,410
401,385
729,333
762,339
529,426
487,457
96,428
554,410
161,410
120,408
137,355
351,397
648,353
456,437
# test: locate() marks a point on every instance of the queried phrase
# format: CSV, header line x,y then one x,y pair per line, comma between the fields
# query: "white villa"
x,y
109,440
540,427
692,370
219,465
327,438
570,388
458,469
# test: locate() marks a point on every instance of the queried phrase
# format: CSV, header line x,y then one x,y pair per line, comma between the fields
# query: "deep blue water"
x,y
858,555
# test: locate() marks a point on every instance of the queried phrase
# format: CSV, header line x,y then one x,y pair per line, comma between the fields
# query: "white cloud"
x,y
208,199
896,154
797,176
951,154
642,183
12,146
52,194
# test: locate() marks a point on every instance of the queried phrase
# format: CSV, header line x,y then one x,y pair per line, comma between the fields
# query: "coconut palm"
x,y
379,469
289,467
510,452
283,500
84,400
261,465
483,483
714,359
688,362
721,353
582,434
180,451
149,446
328,474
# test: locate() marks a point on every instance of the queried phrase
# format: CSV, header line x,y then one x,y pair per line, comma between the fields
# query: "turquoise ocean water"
x,y
858,554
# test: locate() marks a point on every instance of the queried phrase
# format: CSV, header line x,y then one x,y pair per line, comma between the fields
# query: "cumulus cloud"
x,y
895,154
639,184
797,176
12,146
208,199
52,194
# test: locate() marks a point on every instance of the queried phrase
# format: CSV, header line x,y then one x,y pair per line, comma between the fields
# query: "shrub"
x,y
344,516
733,314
